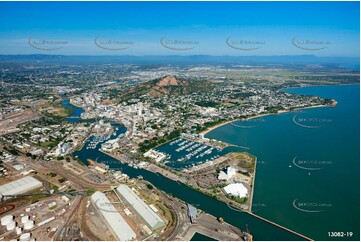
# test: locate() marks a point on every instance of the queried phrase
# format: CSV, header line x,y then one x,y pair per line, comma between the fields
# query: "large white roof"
x,y
149,216
228,174
236,189
20,186
116,222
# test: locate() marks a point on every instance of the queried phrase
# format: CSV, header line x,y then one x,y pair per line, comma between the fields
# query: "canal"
x,y
260,229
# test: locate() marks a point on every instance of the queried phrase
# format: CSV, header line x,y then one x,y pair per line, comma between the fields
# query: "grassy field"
x,y
56,109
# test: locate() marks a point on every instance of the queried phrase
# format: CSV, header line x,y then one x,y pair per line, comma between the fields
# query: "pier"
x,y
253,181
279,226
209,226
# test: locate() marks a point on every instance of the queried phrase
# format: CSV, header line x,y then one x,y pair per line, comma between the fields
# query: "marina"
x,y
259,230
217,208
180,121
278,140
264,204
183,154
93,143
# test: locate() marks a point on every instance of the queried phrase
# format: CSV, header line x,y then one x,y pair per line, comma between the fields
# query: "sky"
x,y
180,28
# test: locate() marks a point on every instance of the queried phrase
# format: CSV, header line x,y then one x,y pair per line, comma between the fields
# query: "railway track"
x,y
82,222
69,218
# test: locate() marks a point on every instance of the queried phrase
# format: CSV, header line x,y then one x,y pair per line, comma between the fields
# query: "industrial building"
x,y
192,213
228,174
236,189
143,210
20,186
118,226
155,155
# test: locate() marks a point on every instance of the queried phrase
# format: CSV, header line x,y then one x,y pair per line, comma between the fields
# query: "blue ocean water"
x,y
308,167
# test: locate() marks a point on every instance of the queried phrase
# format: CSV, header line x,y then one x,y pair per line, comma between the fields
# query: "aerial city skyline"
x,y
180,121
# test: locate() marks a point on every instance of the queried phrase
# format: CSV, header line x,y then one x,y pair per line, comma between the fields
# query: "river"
x,y
281,187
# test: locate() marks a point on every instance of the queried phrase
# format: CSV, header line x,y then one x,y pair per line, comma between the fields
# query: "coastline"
x,y
217,126
280,111
263,115
257,116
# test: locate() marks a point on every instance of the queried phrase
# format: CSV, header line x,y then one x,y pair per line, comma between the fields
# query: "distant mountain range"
x,y
180,60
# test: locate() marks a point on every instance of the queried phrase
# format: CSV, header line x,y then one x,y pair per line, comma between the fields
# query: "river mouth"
x,y
258,228
280,185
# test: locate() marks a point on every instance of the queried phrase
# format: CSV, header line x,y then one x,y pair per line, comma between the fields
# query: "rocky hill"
x,y
169,85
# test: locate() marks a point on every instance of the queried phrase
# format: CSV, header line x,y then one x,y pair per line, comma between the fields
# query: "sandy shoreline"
x,y
257,116
262,115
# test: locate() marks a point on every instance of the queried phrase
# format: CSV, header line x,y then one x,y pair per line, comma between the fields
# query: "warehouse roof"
x,y
116,222
148,215
236,189
20,186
